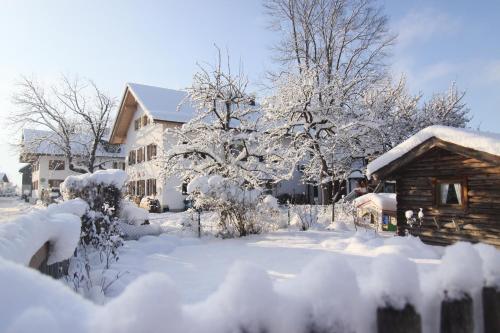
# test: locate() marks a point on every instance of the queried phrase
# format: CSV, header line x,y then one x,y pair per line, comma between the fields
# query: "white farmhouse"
x,y
49,167
145,113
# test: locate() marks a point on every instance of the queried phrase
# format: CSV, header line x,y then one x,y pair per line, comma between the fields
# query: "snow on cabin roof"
x,y
384,201
162,103
481,141
41,142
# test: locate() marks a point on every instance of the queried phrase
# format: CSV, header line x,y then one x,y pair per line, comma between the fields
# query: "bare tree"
x,y
75,115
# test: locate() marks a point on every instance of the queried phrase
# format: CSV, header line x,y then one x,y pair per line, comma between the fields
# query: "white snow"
x,y
385,201
21,237
461,270
131,214
101,177
162,103
482,141
279,281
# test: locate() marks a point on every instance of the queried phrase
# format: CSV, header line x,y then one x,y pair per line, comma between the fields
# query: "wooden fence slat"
x,y
391,320
457,315
491,310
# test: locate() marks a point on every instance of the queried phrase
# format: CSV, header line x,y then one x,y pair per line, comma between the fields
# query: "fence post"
x,y
491,309
391,320
457,315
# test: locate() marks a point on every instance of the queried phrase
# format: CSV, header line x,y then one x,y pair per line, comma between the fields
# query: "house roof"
x,y
487,143
161,104
41,142
384,201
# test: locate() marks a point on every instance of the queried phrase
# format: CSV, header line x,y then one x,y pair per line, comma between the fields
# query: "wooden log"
x,y
391,320
491,310
457,315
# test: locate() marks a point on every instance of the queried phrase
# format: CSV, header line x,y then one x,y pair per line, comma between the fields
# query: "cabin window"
x,y
451,193
137,124
56,165
145,121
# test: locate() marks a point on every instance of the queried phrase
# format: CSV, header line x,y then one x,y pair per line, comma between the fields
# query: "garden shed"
x,y
377,210
454,176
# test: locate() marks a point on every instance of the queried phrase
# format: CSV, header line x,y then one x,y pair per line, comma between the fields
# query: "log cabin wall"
x,y
477,220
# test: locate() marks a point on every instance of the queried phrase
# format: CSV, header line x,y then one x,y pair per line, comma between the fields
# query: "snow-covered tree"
x,y
222,139
75,113
332,52
399,114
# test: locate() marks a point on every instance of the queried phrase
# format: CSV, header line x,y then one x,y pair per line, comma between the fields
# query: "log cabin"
x,y
454,176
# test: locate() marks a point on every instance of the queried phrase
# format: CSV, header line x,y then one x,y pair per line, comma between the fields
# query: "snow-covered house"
x,y
49,166
454,176
144,114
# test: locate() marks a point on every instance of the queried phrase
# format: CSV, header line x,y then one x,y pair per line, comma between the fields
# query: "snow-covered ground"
x,y
198,266
11,207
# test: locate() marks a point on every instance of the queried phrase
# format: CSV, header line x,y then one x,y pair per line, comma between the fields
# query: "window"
x,y
141,188
451,193
151,186
140,155
137,124
145,121
55,182
315,191
151,152
184,187
131,157
56,165
118,165
35,185
131,187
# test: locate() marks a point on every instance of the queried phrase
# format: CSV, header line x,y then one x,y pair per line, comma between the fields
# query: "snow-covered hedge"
x,y
59,224
326,296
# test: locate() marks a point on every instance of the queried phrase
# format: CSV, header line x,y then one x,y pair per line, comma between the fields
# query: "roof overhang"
x,y
388,170
128,105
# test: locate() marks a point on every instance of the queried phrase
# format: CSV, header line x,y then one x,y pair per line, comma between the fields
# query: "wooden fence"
x,y
457,315
39,262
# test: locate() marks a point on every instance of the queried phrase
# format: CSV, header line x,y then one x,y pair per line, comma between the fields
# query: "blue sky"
x,y
159,43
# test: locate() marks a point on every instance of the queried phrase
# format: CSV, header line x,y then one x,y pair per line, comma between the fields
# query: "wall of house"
x,y
168,192
42,175
478,220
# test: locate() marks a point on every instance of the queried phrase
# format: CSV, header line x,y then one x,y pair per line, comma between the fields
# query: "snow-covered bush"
x,y
238,207
305,216
131,214
100,235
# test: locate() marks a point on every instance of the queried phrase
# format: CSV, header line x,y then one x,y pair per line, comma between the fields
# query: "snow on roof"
x,y
385,201
36,141
481,141
162,103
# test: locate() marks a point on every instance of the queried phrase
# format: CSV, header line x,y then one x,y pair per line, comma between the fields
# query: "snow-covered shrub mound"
x,y
131,214
460,270
490,257
236,205
395,281
111,177
59,224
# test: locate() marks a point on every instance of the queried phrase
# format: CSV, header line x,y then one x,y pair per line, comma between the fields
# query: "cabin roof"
x,y
481,145
161,104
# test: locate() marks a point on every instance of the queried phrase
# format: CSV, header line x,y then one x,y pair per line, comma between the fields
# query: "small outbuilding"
x,y
376,210
453,176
